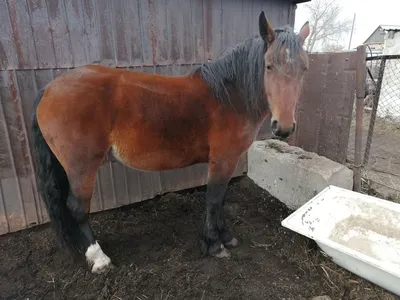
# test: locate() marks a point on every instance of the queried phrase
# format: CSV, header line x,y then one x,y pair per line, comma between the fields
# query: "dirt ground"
x,y
154,247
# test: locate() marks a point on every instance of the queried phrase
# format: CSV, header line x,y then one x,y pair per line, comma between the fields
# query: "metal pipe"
x,y
361,72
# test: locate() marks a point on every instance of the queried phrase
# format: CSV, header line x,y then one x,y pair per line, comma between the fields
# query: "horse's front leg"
x,y
215,235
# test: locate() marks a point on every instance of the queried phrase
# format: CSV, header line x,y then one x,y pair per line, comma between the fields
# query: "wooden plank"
x,y
41,33
22,35
8,54
60,34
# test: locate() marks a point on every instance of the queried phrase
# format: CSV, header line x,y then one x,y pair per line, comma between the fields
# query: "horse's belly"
x,y
158,159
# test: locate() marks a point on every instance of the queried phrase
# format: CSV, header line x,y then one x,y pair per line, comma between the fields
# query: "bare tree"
x,y
326,26
333,47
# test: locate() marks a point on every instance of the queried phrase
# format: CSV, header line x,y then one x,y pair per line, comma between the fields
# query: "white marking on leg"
x,y
96,258
223,253
233,243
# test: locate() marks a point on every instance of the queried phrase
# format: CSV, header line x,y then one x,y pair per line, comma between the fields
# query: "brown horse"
x,y
152,122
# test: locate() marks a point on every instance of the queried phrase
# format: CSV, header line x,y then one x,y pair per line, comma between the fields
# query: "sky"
x,y
369,15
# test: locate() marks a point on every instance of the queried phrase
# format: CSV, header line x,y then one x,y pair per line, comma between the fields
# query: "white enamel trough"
x,y
360,233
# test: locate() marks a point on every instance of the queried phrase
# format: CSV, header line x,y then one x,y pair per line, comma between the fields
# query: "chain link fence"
x,y
381,128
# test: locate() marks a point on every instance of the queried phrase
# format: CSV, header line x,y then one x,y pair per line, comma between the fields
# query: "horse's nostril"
x,y
274,125
294,127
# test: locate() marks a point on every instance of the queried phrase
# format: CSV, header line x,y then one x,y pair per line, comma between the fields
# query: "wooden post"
x,y
360,93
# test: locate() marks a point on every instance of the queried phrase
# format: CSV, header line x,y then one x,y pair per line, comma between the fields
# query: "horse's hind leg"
x,y
79,205
215,235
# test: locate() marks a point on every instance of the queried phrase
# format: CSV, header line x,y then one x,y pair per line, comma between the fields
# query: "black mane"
x,y
243,68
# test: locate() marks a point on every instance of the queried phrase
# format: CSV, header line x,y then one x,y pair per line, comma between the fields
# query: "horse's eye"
x,y
269,67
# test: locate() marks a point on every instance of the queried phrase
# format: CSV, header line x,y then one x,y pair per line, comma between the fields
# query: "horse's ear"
x,y
304,32
266,30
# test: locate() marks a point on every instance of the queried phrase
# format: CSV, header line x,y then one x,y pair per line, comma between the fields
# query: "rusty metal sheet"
x,y
120,184
91,30
13,204
22,34
13,122
106,26
163,32
124,26
216,29
106,186
4,226
147,31
337,108
27,93
207,23
127,32
76,28
6,159
198,32
186,35
60,34
325,107
41,33
8,55
309,110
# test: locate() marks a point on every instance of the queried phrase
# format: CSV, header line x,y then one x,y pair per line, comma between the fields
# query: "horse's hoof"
x,y
97,259
222,253
102,266
232,243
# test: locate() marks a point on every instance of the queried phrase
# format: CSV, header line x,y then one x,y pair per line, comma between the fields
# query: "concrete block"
x,y
293,175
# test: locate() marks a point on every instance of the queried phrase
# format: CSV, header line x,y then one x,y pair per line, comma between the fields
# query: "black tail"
x,y
54,188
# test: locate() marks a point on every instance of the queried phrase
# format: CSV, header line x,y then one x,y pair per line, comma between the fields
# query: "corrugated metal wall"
x,y
40,39
40,34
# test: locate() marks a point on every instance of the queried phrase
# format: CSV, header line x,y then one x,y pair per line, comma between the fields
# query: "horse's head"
x,y
285,64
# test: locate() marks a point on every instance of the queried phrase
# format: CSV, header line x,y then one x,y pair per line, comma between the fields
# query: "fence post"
x,y
375,102
360,94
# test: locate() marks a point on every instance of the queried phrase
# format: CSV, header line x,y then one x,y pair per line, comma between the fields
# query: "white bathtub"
x,y
361,233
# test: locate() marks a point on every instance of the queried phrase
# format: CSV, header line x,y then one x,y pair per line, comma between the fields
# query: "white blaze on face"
x,y
96,257
288,59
